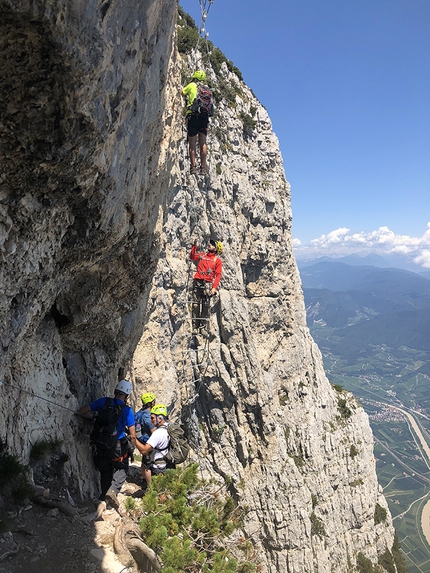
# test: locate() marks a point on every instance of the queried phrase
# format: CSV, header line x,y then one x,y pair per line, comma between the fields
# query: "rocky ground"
x,y
36,538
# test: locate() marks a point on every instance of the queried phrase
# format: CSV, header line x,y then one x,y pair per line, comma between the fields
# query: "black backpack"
x,y
178,448
104,434
203,103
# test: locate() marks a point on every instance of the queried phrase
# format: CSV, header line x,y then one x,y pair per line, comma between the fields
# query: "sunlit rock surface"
x,y
97,216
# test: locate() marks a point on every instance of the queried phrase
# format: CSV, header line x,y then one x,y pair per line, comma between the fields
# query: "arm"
x,y
217,273
131,426
86,412
144,449
194,255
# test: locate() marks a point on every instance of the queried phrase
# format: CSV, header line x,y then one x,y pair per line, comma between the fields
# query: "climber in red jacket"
x,y
205,283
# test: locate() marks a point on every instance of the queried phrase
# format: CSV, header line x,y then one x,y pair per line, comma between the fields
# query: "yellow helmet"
x,y
199,75
219,247
159,410
147,398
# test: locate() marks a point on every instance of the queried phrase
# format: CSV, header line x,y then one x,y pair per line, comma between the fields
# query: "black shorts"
x,y
197,124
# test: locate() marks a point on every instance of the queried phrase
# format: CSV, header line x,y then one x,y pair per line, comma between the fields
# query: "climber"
x,y
157,445
205,283
113,418
143,419
197,119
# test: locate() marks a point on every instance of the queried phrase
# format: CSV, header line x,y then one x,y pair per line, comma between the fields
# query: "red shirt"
x,y
209,267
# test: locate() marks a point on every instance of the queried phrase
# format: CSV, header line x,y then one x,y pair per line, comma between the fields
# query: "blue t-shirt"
x,y
126,420
143,417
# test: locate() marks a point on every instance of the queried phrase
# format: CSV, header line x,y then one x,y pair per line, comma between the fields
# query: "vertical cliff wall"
x,y
87,154
97,216
254,397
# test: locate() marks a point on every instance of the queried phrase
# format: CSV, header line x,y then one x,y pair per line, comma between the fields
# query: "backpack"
x,y
203,103
178,448
104,434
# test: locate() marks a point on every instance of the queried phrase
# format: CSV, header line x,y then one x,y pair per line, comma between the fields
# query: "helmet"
x,y
219,247
199,75
159,410
125,387
147,398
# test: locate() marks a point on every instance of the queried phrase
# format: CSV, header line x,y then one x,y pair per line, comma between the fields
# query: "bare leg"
x,y
203,151
192,149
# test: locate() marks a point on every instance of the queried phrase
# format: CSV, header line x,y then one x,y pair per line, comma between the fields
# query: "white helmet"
x,y
125,387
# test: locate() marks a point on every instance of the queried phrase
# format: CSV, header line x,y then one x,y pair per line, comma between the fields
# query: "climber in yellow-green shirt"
x,y
199,109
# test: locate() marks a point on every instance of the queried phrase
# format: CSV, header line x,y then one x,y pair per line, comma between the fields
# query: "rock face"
x,y
87,157
97,219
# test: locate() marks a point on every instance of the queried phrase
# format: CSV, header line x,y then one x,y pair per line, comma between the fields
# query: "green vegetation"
x,y
353,451
217,432
188,34
314,500
364,565
386,561
399,560
43,448
298,460
188,38
356,482
317,526
187,523
343,408
380,514
249,124
338,387
283,398
13,476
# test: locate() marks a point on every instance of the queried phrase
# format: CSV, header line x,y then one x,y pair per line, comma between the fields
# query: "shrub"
x,y
314,500
338,387
187,522
10,469
249,124
353,451
317,526
387,562
380,514
298,460
364,565
13,477
344,411
187,39
43,448
399,560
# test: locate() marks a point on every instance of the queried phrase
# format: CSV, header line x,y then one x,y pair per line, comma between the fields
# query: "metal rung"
x,y
196,365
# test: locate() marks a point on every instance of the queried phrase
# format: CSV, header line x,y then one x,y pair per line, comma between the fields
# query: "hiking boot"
x,y
112,499
193,170
203,171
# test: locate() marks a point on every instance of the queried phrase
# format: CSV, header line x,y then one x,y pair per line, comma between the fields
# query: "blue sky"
x,y
347,86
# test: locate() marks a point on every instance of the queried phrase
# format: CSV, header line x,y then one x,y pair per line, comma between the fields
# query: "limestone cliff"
x,y
97,219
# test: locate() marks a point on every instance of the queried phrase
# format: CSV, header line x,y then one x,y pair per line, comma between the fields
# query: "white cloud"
x,y
423,259
383,241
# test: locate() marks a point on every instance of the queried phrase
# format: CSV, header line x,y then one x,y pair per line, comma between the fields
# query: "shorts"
x,y
197,124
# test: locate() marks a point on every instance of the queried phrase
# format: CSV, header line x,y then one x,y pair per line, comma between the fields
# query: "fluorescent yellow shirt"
x,y
190,92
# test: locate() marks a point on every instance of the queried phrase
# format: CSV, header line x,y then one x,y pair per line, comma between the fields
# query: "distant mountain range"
x,y
366,306
395,261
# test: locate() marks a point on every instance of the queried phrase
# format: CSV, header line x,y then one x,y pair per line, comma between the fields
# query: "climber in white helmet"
x,y
113,437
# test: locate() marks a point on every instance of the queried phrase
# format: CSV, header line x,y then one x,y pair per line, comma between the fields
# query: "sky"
x,y
346,84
